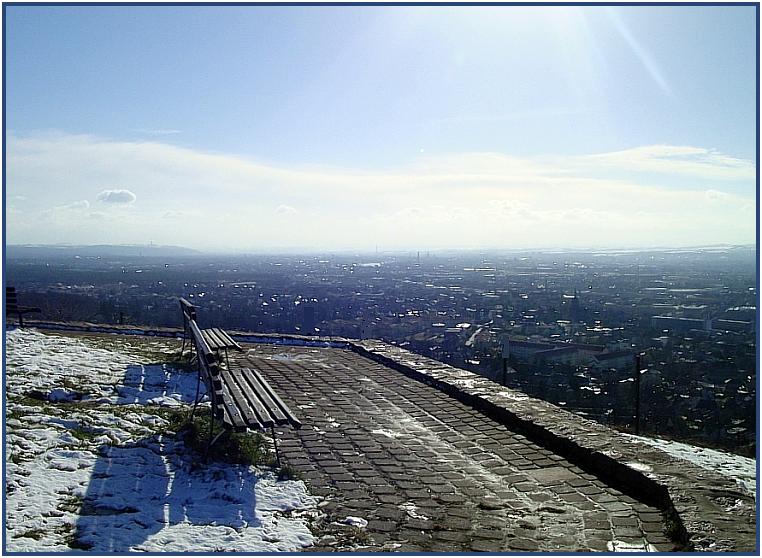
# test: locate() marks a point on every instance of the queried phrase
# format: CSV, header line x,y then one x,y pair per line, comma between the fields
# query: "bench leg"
x,y
182,349
211,431
214,441
195,399
275,443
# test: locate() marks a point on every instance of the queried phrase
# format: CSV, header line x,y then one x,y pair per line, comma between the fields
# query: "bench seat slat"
x,y
286,411
211,339
219,339
256,385
253,398
253,412
227,409
227,339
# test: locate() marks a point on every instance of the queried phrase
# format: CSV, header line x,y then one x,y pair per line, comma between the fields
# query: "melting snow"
x,y
619,546
355,521
743,470
90,469
411,509
387,433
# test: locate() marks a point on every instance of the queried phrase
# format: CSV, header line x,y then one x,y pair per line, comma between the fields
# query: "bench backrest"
x,y
208,367
188,310
11,300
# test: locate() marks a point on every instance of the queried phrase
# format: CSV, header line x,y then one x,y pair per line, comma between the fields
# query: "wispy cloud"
x,y
676,160
458,200
157,131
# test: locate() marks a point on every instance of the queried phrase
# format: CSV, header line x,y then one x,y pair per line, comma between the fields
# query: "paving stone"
x,y
444,547
345,477
465,469
653,527
441,489
597,524
651,517
522,544
420,524
455,523
382,489
624,522
415,537
389,498
573,497
450,536
451,498
361,504
389,512
624,533
381,526
492,534
484,545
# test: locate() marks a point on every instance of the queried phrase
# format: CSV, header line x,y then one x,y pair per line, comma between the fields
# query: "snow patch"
x,y
411,509
743,470
619,546
354,521
100,473
387,433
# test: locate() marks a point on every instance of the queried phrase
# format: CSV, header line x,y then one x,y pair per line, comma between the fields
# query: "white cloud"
x,y
716,195
470,199
116,196
286,210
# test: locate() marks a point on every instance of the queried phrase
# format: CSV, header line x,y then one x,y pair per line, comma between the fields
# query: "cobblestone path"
x,y
429,473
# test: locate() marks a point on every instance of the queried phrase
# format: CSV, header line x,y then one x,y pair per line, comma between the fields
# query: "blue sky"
x,y
404,127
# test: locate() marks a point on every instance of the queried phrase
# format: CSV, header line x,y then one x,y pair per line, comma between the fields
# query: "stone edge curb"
x,y
691,497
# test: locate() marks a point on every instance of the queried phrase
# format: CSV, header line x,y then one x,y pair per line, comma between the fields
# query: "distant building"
x,y
564,353
738,326
617,360
680,324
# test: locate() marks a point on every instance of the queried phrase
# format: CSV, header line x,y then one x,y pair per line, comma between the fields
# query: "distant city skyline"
x,y
329,128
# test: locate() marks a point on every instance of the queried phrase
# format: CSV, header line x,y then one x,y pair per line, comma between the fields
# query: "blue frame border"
x,y
371,4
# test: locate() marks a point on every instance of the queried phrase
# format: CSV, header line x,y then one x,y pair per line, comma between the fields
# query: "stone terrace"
x,y
438,458
430,473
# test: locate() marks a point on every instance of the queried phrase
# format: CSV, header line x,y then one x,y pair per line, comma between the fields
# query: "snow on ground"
x,y
92,468
743,470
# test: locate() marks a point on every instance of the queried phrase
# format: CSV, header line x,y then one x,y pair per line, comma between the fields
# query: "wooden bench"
x,y
217,339
12,307
241,399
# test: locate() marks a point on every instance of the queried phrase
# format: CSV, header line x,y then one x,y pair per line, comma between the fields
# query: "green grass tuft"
x,y
288,472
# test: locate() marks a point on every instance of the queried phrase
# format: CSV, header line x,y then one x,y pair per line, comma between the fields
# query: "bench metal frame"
x,y
217,339
241,399
12,306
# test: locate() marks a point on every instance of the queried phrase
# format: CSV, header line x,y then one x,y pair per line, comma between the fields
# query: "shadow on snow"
x,y
139,490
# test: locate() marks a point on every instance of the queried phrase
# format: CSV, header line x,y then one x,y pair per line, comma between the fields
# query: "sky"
x,y
253,128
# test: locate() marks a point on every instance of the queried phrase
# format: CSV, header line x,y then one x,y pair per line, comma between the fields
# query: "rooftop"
x,y
398,453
